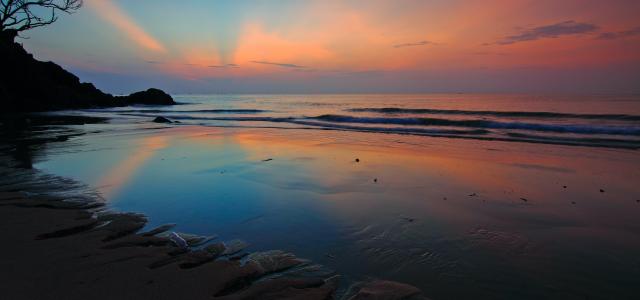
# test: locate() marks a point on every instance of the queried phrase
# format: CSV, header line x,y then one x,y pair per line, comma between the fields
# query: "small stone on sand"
x,y
380,289
234,246
216,249
178,240
159,229
238,256
274,261
161,120
601,191
196,258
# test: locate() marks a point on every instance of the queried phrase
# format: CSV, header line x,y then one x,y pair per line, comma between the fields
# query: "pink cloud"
x,y
111,13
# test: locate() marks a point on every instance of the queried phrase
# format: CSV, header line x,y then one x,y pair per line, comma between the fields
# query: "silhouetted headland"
x,y
29,85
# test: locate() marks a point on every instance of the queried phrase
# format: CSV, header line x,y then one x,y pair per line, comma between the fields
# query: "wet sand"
x,y
57,248
458,219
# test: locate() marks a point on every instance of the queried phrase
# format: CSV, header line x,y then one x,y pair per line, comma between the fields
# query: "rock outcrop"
x,y
28,85
150,97
161,119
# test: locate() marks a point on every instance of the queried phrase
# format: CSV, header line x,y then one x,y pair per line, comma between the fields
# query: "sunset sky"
x,y
289,46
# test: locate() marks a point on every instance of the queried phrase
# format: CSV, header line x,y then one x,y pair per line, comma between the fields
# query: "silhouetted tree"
x,y
20,15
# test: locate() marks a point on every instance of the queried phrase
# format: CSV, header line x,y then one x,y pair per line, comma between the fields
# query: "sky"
x,y
349,46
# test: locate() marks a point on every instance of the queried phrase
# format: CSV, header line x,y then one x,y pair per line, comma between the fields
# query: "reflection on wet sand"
x,y
120,174
494,218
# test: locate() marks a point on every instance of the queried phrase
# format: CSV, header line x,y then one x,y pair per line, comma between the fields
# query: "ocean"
x,y
605,121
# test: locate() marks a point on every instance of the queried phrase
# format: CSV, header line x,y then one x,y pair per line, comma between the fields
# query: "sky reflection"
x,y
437,215
122,172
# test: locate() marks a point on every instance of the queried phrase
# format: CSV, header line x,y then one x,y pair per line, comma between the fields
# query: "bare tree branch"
x,y
22,15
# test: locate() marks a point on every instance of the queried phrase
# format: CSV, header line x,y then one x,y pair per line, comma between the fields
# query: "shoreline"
x,y
61,249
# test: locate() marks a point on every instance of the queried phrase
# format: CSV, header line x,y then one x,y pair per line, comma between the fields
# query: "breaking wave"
x,y
530,114
559,128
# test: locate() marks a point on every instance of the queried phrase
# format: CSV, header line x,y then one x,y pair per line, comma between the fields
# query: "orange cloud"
x,y
110,12
256,44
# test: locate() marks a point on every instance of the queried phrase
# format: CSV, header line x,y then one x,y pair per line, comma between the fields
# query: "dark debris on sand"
x,y
161,119
410,220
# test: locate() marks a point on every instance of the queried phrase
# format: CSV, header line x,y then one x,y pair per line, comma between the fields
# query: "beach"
x,y
63,248
454,217
83,265
348,150
67,244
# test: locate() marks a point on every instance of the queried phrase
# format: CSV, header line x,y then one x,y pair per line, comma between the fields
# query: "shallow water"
x,y
485,216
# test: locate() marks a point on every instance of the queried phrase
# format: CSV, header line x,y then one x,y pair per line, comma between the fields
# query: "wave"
x,y
539,114
311,122
572,141
571,128
415,131
239,119
476,124
477,134
317,123
159,111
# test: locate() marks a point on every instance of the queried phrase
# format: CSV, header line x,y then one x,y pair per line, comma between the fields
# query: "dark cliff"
x,y
27,85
